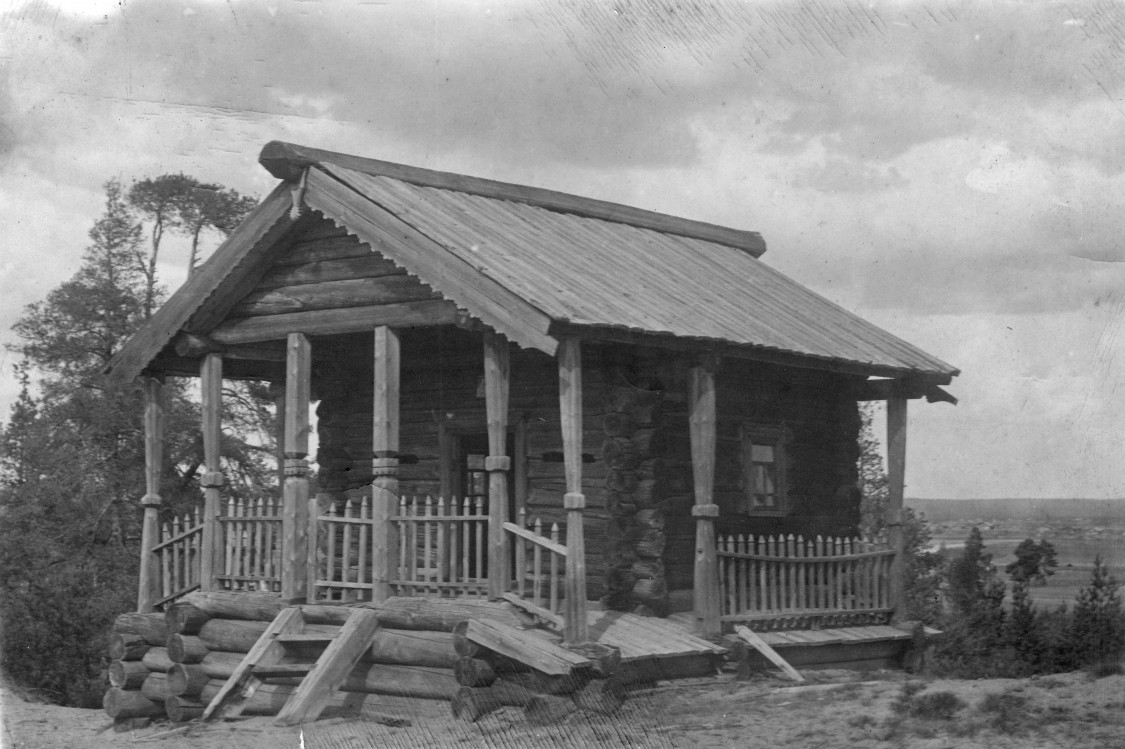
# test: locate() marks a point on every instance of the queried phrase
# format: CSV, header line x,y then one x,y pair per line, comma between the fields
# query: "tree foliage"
x,y
923,567
72,457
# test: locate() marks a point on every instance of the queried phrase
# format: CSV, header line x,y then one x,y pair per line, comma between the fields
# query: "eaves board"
x,y
265,224
470,289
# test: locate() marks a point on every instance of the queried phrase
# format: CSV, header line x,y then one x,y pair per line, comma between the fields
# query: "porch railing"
x,y
796,582
442,548
540,566
177,557
251,536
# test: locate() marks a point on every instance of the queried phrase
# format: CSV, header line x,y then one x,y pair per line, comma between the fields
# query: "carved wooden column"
x,y
211,394
384,462
896,484
574,501
701,417
295,492
148,588
497,373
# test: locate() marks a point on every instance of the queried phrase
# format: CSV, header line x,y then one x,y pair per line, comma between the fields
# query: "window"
x,y
763,470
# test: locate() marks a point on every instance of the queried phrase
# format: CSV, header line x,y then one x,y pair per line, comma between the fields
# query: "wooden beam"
x,y
148,586
896,484
336,321
192,346
753,639
749,352
384,463
454,278
352,292
295,493
497,380
211,395
287,161
702,422
570,411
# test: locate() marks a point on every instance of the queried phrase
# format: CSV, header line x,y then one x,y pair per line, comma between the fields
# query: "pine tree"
x,y
1099,627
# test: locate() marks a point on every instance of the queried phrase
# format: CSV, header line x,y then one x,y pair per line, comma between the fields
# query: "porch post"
x,y
570,409
295,492
384,462
497,369
211,387
896,483
148,588
277,394
701,418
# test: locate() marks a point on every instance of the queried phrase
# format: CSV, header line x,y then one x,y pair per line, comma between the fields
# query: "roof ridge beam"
x,y
288,160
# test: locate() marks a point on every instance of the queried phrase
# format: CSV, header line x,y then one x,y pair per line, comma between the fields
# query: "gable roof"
x,y
530,263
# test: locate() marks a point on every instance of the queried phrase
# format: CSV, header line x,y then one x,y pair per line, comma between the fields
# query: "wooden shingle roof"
x,y
532,263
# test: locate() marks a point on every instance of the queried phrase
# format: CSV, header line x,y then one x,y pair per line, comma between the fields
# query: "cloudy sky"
x,y
954,172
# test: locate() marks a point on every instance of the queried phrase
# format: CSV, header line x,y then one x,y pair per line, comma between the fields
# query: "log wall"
x,y
637,453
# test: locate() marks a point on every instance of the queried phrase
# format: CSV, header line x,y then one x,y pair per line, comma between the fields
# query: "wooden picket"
x,y
251,535
442,547
178,556
789,576
540,565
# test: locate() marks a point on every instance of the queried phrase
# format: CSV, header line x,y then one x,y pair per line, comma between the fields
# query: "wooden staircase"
x,y
320,679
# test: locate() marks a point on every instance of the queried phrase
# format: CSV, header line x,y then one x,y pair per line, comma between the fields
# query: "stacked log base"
x,y
635,530
169,665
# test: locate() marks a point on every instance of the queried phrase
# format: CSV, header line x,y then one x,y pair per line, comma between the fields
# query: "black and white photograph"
x,y
562,373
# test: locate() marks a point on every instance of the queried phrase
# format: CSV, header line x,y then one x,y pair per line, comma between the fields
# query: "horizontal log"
x,y
376,678
352,292
473,703
394,613
127,674
120,704
183,618
181,709
473,672
336,245
186,649
391,647
149,626
156,659
366,265
185,679
127,647
336,321
155,686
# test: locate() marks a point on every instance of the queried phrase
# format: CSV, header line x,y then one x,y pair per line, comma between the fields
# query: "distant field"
x,y
1076,557
1105,510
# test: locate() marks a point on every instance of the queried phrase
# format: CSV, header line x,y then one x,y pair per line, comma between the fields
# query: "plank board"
x,y
525,646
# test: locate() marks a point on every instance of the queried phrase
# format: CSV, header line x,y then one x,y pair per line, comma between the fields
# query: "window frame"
x,y
778,438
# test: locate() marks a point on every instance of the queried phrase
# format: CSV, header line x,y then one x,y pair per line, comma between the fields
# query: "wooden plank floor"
x,y
644,637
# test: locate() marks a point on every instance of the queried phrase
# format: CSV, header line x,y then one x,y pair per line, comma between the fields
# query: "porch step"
x,y
320,680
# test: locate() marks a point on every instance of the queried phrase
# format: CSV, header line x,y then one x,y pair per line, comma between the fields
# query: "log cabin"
x,y
566,405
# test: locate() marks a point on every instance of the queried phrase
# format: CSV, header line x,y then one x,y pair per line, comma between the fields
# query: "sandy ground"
x,y
837,709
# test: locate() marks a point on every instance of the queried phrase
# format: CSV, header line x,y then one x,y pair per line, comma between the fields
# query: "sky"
x,y
953,172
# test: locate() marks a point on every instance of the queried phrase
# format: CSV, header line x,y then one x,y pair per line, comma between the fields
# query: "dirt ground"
x,y
834,709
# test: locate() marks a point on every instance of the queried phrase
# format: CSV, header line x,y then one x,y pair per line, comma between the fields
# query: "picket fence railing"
x,y
540,564
178,556
770,577
251,541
